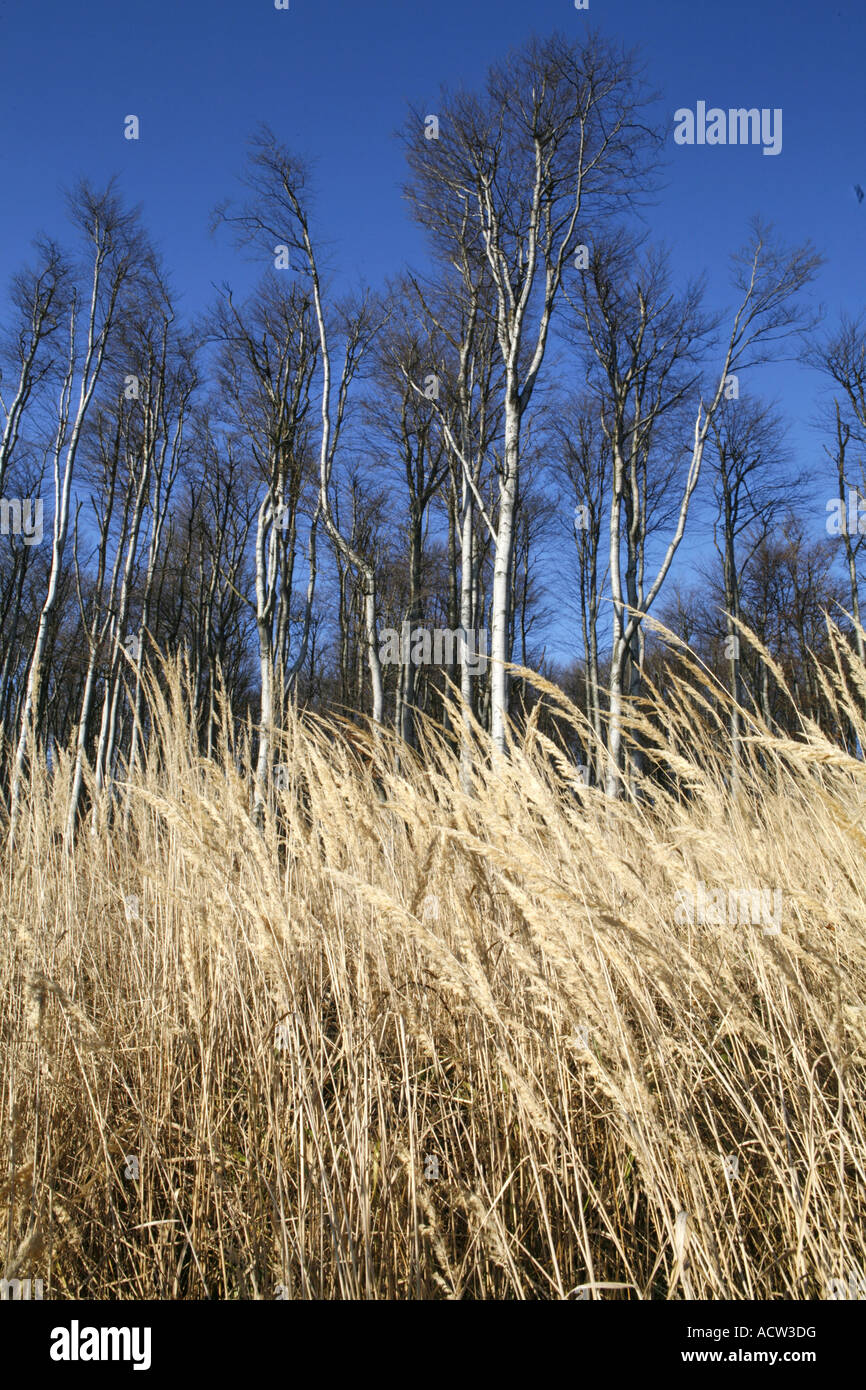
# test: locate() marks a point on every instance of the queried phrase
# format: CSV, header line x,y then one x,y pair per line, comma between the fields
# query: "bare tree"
x,y
752,488
275,217
118,254
407,425
841,357
39,300
465,394
557,138
646,342
584,468
268,354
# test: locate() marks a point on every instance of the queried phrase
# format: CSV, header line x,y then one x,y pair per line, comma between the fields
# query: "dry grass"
x,y
492,984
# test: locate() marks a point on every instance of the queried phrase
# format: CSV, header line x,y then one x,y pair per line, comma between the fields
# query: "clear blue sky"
x,y
333,78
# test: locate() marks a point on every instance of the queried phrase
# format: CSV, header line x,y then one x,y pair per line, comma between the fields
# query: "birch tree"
x,y
753,486
406,420
519,174
584,469
275,218
268,354
646,342
39,300
841,358
225,505
463,310
118,254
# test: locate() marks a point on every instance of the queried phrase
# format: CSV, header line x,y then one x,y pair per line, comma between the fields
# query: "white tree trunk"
x,y
499,618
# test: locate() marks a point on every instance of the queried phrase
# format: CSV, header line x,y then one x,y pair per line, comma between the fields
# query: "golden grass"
x,y
457,1045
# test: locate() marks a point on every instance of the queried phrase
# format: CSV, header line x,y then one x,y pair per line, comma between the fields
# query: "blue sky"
x,y
333,79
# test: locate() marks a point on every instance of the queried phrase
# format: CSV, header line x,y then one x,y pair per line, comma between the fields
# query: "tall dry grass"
x,y
453,1045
